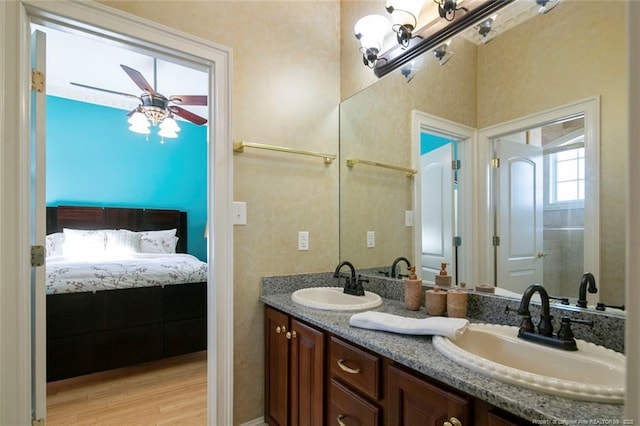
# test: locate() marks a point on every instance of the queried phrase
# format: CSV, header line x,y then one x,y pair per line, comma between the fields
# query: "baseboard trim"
x,y
256,422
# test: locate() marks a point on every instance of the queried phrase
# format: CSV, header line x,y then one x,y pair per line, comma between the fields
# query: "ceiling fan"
x,y
155,106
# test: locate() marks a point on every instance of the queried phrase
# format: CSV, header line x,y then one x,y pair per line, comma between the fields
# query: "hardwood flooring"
x,y
166,392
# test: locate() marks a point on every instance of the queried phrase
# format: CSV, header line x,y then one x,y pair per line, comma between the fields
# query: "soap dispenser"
x,y
443,279
412,290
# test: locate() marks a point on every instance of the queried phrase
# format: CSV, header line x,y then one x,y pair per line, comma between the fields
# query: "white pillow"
x,y
84,244
53,244
158,241
122,242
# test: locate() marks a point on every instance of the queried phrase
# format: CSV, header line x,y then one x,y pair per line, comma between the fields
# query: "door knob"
x,y
281,329
291,335
541,254
452,422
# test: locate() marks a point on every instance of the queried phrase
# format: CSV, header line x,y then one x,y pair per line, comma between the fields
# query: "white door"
x,y
521,255
436,183
37,231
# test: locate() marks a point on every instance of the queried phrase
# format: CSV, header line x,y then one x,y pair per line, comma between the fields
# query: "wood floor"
x,y
167,392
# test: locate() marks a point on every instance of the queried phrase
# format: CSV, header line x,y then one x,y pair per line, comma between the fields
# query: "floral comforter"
x,y
139,270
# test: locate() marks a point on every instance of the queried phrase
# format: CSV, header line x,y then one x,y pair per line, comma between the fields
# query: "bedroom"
x,y
118,179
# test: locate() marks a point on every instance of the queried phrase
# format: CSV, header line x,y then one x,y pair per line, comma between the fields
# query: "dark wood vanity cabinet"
x,y
412,400
294,371
308,382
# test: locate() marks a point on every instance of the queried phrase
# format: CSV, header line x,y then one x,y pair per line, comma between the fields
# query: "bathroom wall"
x,y
93,159
286,87
567,68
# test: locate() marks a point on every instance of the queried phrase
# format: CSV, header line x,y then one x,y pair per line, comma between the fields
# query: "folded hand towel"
x,y
441,326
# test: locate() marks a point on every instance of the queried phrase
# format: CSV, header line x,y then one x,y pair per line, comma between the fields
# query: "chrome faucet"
x,y
394,265
563,340
588,281
352,284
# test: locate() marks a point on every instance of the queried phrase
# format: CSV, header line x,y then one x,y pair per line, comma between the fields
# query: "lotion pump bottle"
x,y
443,279
412,290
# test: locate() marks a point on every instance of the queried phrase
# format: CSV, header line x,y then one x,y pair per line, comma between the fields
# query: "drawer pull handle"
x,y
347,369
339,419
281,329
452,422
291,335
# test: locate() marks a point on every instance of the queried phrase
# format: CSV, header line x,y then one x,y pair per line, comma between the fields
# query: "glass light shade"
x,y
169,125
402,9
139,123
165,133
371,30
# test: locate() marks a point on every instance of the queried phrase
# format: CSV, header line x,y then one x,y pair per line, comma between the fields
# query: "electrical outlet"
x,y
303,240
371,239
408,218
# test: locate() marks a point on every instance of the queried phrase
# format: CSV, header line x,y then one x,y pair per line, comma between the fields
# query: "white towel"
x,y
441,326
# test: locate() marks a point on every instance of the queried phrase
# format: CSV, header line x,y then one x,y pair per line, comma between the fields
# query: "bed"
x,y
141,298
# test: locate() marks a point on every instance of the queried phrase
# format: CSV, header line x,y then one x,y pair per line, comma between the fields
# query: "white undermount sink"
x,y
334,299
592,373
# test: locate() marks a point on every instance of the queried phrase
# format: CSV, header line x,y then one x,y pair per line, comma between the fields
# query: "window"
x,y
566,176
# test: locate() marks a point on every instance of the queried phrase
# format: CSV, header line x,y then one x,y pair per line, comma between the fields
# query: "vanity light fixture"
x,y
405,15
448,8
370,30
442,53
485,29
409,71
543,5
447,19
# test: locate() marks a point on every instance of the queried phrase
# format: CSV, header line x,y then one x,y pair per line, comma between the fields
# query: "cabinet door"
x,y
276,391
413,401
307,375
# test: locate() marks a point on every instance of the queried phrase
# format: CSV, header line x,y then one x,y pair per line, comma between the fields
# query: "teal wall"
x,y
93,159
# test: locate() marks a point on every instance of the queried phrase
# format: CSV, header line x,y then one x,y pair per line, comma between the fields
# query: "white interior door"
x,y
437,210
37,231
520,260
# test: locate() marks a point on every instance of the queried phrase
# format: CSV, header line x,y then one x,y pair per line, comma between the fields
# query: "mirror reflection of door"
x,y
539,206
439,182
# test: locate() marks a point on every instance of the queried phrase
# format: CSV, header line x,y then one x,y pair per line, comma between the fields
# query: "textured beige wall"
x,y
576,51
285,92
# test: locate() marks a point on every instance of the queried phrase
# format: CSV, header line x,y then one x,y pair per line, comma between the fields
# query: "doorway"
x,y
100,20
442,151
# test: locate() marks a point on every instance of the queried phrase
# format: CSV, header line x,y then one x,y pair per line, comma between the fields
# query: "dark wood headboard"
x,y
82,217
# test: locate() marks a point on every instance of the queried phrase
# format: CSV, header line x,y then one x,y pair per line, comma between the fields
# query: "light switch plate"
x,y
303,240
239,213
371,239
408,218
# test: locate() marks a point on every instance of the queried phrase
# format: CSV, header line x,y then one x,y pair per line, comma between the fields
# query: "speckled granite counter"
x,y
418,353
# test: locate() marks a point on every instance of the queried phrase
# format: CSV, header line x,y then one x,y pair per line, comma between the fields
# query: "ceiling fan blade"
x,y
105,90
139,79
189,99
187,115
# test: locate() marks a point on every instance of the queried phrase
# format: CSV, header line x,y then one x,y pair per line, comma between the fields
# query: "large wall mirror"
x,y
575,52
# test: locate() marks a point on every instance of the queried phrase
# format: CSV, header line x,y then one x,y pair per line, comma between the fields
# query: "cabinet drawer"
x,y
355,367
349,409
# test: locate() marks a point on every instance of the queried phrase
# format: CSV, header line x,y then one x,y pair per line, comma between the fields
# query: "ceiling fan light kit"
x,y
156,109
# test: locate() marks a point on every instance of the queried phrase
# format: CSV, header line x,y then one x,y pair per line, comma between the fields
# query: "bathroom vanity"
x,y
321,370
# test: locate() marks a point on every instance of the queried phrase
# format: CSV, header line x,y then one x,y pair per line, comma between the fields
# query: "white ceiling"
x,y
80,58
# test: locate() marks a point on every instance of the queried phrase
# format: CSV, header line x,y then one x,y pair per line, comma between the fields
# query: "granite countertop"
x,y
418,353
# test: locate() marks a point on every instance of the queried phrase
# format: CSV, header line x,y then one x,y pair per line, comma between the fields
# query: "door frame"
x,y
590,107
466,136
15,322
